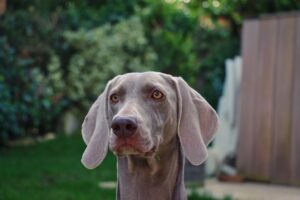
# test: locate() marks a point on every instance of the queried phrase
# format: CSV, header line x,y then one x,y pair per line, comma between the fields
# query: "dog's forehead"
x,y
139,80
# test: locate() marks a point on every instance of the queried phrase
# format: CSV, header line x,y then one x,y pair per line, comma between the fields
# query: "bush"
x,y
170,29
27,106
103,53
28,103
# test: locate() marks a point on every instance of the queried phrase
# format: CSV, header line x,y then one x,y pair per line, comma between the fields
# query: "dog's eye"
x,y
114,98
157,95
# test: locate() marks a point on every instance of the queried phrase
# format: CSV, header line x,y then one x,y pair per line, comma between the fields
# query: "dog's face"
x,y
142,108
138,113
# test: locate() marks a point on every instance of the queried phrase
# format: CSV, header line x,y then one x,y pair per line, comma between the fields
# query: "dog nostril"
x,y
116,127
124,126
130,127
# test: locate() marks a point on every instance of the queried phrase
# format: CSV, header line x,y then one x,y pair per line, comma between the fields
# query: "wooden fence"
x,y
269,128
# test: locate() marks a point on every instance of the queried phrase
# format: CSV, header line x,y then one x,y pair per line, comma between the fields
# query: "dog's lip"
x,y
126,142
132,145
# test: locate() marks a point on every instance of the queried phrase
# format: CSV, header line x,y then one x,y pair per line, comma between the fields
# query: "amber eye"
x,y
114,98
157,95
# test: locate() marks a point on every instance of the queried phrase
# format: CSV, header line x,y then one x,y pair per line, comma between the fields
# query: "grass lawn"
x,y
52,171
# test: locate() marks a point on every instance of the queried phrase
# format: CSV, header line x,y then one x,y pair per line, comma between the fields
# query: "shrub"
x,y
104,52
29,104
170,29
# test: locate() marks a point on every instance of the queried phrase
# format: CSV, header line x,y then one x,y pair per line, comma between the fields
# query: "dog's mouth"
x,y
129,147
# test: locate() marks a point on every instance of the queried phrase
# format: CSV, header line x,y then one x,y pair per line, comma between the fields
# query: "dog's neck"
x,y
159,177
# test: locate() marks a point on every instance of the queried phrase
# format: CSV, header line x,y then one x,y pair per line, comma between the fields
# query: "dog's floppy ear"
x,y
197,122
89,123
95,132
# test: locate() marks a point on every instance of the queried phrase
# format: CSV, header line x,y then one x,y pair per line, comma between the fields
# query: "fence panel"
x,y
250,35
269,128
295,171
264,92
281,155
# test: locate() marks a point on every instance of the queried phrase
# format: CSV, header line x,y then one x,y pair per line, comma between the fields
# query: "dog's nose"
x,y
124,127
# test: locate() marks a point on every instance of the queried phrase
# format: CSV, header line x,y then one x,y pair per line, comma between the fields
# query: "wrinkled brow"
x,y
152,86
118,90
143,88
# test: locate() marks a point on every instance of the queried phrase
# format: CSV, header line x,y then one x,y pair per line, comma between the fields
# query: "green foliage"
x,y
75,14
58,54
170,31
28,103
103,53
236,11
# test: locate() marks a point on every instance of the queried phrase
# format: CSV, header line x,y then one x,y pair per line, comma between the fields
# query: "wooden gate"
x,y
269,128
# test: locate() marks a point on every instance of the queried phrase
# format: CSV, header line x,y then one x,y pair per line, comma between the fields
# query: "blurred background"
x,y
56,56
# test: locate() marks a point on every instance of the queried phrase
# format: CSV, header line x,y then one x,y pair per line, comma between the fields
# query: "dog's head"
x,y
140,112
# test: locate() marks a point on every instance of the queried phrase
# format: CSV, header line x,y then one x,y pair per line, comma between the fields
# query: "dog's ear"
x,y
89,123
197,122
95,132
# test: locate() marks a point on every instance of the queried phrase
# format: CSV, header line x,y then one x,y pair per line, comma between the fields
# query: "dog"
x,y
151,121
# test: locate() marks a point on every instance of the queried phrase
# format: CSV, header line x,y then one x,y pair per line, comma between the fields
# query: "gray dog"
x,y
150,121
